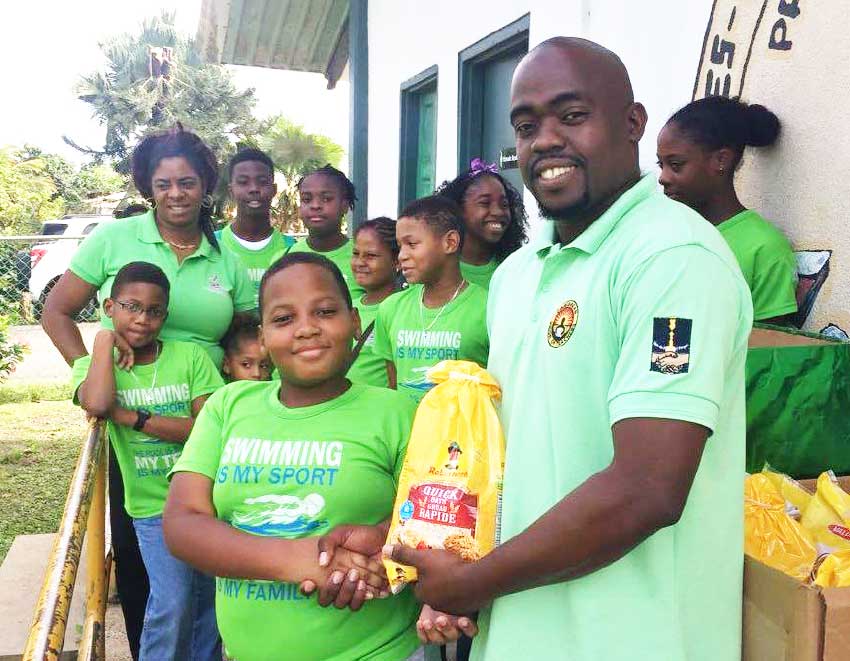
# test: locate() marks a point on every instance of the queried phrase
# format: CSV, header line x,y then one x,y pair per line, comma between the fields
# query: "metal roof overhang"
x,y
299,35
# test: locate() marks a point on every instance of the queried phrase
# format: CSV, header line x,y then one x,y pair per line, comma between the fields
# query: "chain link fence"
x,y
30,266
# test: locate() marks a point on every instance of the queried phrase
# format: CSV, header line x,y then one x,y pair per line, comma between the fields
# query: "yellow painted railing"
x,y
84,517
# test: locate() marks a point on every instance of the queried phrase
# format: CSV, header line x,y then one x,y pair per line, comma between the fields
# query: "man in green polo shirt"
x,y
619,338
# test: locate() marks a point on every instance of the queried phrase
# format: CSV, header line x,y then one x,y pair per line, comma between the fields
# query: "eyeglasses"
x,y
154,312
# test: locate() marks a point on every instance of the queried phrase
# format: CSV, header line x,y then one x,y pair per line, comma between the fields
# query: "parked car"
x,y
49,260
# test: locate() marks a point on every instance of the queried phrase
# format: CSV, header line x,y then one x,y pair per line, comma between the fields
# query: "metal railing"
x,y
84,518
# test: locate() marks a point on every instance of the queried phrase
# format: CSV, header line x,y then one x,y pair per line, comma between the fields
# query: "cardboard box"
x,y
785,620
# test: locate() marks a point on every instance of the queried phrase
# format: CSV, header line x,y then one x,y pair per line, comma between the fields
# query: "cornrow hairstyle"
x,y
346,188
249,154
385,229
441,214
293,258
140,272
244,327
516,234
716,122
177,142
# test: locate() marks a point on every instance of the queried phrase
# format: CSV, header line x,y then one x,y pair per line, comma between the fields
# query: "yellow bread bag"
x,y
770,535
450,487
796,497
827,516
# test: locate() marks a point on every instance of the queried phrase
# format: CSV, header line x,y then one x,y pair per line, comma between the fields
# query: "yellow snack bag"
x,y
797,499
834,571
770,535
827,516
450,487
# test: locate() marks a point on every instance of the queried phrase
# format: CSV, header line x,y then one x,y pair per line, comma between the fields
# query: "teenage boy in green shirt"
x,y
440,316
251,236
150,391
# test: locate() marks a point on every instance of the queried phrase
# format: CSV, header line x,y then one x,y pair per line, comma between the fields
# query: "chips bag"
x,y
770,535
450,487
827,516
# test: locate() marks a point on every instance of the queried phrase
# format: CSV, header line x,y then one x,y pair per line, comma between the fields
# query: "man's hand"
x,y
445,582
437,628
363,540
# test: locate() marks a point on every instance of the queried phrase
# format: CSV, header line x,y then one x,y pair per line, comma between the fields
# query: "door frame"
x,y
409,131
471,61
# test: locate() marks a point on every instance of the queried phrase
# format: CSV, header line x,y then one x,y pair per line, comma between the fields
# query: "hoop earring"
x,y
152,202
207,201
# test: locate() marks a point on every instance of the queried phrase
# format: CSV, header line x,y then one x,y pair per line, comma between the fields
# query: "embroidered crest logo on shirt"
x,y
562,325
214,284
671,345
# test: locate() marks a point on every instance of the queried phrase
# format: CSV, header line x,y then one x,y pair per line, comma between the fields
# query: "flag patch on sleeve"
x,y
671,345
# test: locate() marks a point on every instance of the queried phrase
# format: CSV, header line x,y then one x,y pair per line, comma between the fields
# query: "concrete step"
x,y
20,582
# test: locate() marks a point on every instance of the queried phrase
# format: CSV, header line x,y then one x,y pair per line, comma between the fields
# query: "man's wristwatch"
x,y
142,416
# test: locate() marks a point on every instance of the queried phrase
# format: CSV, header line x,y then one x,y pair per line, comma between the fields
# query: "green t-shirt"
x,y
342,258
206,288
299,472
368,368
644,314
416,338
767,262
182,373
256,261
479,274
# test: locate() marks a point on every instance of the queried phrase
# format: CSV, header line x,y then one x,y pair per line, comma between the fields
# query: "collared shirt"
x,y
645,314
207,287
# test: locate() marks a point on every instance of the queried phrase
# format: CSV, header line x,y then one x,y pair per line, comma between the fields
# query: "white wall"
x,y
801,184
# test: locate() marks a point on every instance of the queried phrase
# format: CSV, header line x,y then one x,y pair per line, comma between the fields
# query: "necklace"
x,y
440,312
155,370
182,246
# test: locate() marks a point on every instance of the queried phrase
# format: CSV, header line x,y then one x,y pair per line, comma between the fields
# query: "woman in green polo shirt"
x,y
176,172
699,150
493,215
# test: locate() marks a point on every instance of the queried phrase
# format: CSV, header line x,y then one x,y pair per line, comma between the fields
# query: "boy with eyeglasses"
x,y
150,391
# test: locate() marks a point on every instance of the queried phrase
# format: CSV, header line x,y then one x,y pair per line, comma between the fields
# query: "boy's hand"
x,y
125,358
438,628
122,416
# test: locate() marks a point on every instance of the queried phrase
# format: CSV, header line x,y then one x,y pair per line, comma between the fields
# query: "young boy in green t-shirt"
x,y
440,316
251,236
150,391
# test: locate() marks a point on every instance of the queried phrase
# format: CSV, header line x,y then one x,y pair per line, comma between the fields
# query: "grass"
x,y
34,392
39,444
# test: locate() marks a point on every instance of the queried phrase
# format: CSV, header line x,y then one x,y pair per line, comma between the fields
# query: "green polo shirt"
x,y
767,262
342,258
256,261
479,274
206,288
645,314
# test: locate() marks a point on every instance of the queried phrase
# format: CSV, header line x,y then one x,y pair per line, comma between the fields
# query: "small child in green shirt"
x,y
245,357
440,316
375,266
150,392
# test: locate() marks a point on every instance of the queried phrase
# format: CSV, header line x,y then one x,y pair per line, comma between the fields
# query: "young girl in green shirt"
x,y
493,216
271,466
375,265
699,150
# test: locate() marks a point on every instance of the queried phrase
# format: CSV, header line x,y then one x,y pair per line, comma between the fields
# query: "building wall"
x,y
801,184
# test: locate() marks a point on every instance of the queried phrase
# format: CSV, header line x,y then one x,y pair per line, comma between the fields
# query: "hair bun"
x,y
762,126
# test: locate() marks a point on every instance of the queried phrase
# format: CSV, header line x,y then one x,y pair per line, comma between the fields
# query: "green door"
x,y
426,144
497,140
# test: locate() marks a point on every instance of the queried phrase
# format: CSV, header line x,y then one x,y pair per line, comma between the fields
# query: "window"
x,y
418,140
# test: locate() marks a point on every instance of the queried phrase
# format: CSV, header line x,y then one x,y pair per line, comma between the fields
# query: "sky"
x,y
46,45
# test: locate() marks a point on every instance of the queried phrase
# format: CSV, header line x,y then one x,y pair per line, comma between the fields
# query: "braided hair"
x,y
345,185
177,142
516,233
385,229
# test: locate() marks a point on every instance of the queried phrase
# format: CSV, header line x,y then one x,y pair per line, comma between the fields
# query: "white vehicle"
x,y
49,260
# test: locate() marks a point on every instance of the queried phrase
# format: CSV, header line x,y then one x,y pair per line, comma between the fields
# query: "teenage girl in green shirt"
x,y
494,218
699,150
